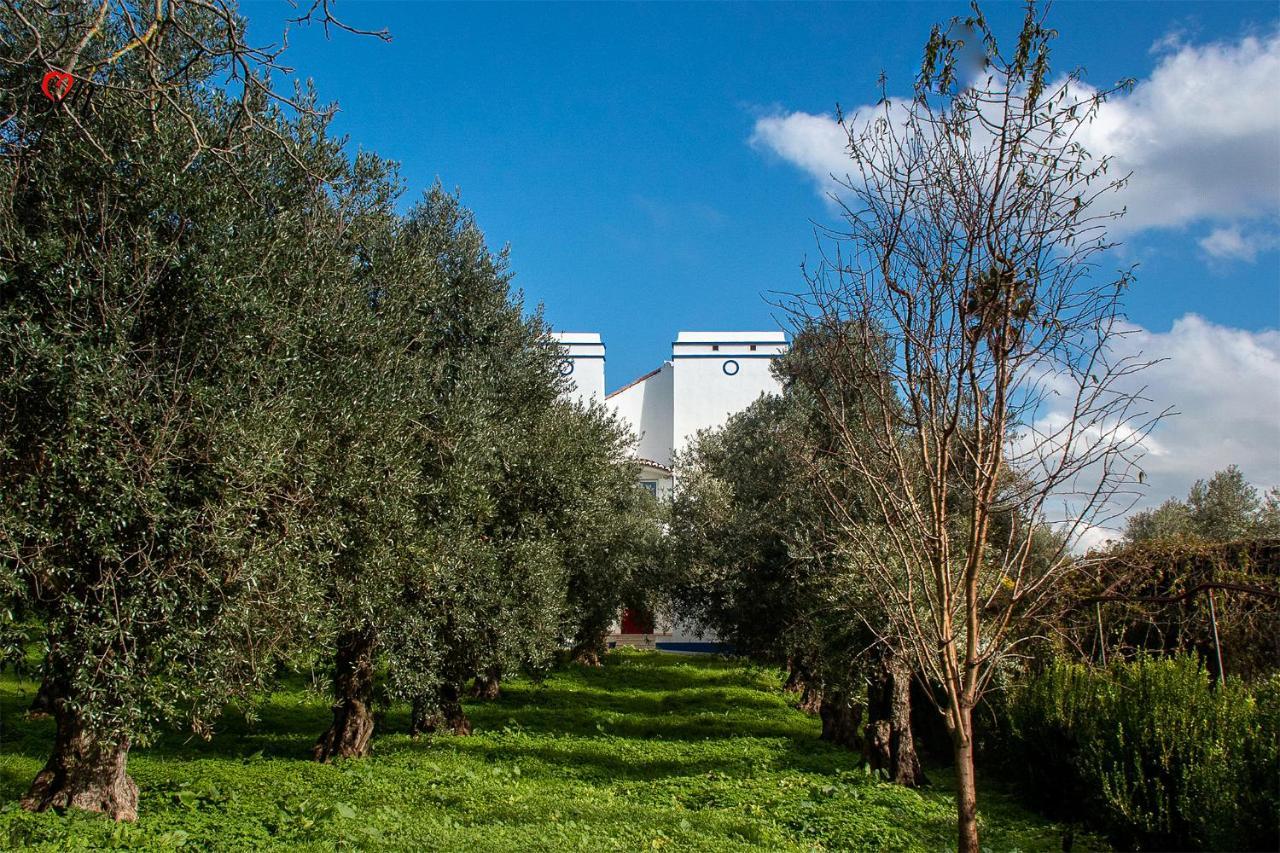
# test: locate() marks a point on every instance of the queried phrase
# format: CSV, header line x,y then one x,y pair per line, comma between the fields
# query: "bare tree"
x,y
973,380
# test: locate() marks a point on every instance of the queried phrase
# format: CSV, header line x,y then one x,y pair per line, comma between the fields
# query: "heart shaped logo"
x,y
56,85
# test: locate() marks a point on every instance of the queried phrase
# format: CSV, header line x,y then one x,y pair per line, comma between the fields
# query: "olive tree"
x,y
154,298
468,497
409,449
758,557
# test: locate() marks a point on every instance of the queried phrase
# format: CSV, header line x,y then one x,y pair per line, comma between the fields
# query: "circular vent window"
x,y
730,367
566,367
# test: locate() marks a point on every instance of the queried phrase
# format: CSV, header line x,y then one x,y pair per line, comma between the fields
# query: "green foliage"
x,y
759,529
1152,752
153,309
247,407
1154,598
1224,508
649,752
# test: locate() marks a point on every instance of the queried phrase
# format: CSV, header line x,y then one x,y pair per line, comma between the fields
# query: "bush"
x,y
1152,751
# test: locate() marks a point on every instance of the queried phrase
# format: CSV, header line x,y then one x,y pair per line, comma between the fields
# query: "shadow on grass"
x,y
651,697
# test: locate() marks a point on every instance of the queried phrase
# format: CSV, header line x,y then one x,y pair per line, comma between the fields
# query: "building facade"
x,y
710,376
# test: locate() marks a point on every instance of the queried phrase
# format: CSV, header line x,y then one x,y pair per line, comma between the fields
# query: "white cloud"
x,y
815,143
1224,383
1201,136
1233,243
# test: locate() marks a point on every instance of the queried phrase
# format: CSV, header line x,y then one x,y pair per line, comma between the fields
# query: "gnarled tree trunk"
x,y
890,745
810,700
795,676
800,680
445,714
84,772
590,648
841,719
348,736
42,704
488,684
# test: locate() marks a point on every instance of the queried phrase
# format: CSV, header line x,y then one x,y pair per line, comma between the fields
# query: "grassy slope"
x,y
651,752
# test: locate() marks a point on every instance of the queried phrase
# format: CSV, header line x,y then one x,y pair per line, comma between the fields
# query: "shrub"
x,y
1153,751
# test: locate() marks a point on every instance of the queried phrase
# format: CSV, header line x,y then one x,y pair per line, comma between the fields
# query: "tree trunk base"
x,y
447,716
350,734
810,700
890,745
486,687
966,785
841,720
352,728
84,773
590,651
795,682
42,704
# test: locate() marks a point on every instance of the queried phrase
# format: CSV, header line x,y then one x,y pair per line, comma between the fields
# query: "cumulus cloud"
x,y
1201,136
1224,384
815,143
1234,243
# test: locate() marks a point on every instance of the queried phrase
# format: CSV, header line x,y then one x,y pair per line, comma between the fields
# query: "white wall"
x,y
583,364
646,405
706,388
659,476
693,391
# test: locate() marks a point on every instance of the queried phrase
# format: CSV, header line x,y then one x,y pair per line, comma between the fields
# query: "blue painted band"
x,y
729,343
732,355
572,355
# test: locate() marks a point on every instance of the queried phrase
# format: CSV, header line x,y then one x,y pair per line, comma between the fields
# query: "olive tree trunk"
x,y
85,771
590,648
42,704
841,719
349,734
800,681
443,713
890,744
488,684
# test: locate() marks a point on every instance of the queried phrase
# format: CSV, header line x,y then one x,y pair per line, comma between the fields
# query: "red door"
x,y
636,622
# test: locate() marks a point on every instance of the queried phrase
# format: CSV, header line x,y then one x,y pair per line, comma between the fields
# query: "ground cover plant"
x,y
650,751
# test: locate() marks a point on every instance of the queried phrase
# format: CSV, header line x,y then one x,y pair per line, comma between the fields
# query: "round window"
x,y
730,367
566,367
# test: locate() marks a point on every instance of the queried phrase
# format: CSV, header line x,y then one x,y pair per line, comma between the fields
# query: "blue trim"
x,y
732,355
781,343
572,355
706,648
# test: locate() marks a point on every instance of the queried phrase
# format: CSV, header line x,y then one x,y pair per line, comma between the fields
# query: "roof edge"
x,y
634,382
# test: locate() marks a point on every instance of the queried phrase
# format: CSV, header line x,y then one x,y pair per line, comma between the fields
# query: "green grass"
x,y
652,751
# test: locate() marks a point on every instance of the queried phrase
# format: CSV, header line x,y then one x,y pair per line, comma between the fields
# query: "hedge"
x,y
1152,751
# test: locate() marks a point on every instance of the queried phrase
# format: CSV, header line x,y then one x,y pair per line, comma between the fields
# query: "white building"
x,y
711,375
584,363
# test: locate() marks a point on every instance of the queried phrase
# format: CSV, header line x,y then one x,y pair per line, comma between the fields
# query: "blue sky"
x,y
653,167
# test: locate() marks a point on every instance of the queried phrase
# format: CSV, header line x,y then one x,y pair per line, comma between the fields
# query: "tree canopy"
x,y
251,414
